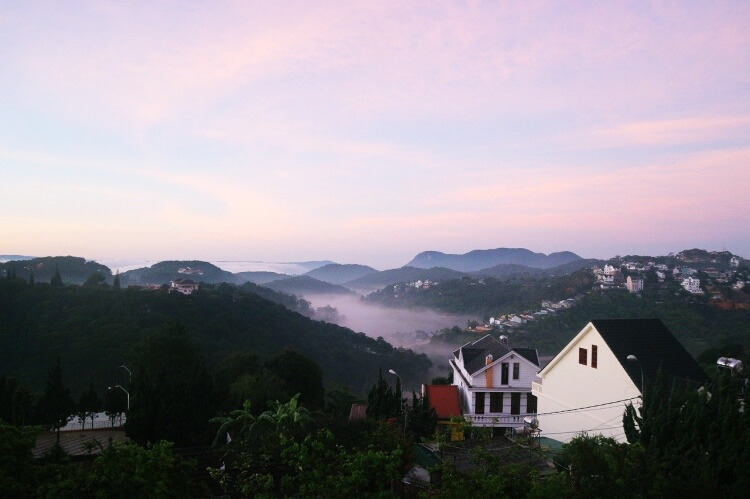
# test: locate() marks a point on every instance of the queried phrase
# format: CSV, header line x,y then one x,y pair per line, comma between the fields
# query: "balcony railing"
x,y
536,387
497,419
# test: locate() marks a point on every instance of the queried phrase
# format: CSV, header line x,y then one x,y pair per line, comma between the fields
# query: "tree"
x,y
31,278
116,281
95,280
300,374
172,393
115,403
422,418
382,400
278,455
56,278
56,405
89,404
16,402
17,472
127,470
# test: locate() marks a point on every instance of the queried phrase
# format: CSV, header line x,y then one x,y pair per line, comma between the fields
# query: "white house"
x,y
634,284
184,286
734,261
692,285
494,382
586,386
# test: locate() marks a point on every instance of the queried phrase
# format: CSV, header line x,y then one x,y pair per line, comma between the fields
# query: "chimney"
x,y
504,341
488,360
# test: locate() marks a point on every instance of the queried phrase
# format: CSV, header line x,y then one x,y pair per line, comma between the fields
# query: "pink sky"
x,y
367,132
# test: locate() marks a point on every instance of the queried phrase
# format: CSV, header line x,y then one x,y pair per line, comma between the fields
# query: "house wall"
x,y
527,374
570,385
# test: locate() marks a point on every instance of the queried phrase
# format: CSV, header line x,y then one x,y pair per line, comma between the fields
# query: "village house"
x,y
692,285
493,381
585,387
634,284
184,286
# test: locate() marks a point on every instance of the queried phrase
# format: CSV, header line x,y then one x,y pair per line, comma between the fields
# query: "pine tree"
x,y
56,278
31,278
116,281
56,405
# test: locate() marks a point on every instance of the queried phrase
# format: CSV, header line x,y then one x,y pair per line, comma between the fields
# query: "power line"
x,y
586,407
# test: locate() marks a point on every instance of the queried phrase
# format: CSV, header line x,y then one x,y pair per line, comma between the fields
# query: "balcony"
x,y
497,420
536,386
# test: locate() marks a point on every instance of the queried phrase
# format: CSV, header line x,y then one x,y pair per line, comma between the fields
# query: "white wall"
x,y
570,385
526,375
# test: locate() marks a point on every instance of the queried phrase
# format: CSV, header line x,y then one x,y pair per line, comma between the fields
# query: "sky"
x,y
366,132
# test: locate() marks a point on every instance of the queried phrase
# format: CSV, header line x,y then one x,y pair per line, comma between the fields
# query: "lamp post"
x,y
633,358
124,390
401,402
130,374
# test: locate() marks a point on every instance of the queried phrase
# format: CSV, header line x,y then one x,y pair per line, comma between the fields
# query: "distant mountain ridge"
x,y
302,285
482,259
377,280
336,273
163,272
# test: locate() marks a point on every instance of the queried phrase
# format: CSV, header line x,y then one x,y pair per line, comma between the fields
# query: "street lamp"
x,y
124,390
130,374
633,358
401,402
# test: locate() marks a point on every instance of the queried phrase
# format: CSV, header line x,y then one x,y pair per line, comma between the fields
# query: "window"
x,y
516,370
593,356
496,402
504,373
582,356
479,403
515,403
530,403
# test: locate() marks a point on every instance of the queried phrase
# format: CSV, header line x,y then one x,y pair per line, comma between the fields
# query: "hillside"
x,y
73,269
336,273
94,330
485,297
481,259
374,281
507,270
163,272
257,277
9,258
305,285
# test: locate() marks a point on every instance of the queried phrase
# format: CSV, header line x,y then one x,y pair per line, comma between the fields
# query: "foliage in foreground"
x,y
281,453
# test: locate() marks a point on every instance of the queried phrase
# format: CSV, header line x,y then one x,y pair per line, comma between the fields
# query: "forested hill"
x,y
482,259
96,329
72,269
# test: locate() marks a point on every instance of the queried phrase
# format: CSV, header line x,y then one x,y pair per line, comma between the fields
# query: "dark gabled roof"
x,y
474,354
653,345
529,354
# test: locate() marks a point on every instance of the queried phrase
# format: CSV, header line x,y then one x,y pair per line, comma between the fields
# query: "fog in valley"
x,y
408,328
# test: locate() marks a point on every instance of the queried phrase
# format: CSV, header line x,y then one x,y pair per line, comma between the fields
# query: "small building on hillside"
x,y
184,286
692,285
634,284
586,386
493,382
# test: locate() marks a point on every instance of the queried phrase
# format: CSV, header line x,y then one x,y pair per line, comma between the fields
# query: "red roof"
x,y
444,399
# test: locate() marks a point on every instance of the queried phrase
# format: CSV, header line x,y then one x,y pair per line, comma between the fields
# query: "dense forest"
x,y
94,328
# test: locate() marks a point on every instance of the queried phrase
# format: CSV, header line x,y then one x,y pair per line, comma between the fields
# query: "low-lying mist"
x,y
408,328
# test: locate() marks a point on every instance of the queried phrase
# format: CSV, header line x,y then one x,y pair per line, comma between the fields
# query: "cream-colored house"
x,y
494,382
585,387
